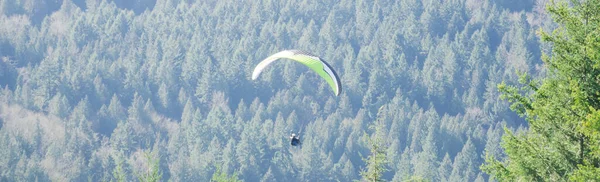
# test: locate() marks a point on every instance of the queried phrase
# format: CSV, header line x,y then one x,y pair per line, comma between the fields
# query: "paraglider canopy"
x,y
313,62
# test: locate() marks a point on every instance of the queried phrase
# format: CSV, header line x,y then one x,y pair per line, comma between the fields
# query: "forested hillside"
x,y
117,90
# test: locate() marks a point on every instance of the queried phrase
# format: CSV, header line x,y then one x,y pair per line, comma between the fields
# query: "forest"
x,y
433,90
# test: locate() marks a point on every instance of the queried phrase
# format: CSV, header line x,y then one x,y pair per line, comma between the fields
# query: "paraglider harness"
x,y
295,140
295,137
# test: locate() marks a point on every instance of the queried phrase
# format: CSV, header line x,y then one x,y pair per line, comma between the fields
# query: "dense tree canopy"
x,y
120,90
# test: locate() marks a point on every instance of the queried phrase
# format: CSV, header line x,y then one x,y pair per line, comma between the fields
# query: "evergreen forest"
x,y
432,90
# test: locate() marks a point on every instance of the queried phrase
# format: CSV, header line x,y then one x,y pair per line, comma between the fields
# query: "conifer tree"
x,y
562,109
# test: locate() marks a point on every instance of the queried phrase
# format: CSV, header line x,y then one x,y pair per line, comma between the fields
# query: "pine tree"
x,y
119,172
562,109
425,162
445,168
377,159
221,176
465,163
152,173
59,106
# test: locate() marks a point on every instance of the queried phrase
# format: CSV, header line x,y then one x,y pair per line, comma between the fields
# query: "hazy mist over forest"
x,y
128,90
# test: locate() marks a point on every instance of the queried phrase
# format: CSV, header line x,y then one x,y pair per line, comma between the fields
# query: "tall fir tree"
x,y
562,109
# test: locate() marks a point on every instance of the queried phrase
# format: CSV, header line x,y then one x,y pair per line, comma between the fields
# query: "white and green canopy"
x,y
313,62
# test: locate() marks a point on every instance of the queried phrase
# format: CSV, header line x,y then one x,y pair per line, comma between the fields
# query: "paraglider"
x,y
315,63
295,140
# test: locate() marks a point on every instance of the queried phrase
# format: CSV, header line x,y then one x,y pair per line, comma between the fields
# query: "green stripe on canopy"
x,y
313,62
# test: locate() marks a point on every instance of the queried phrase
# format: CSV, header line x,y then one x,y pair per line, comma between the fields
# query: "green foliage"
x,y
119,174
377,159
416,179
561,142
152,173
221,176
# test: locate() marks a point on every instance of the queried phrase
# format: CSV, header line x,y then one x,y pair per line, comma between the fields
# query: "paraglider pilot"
x,y
295,140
